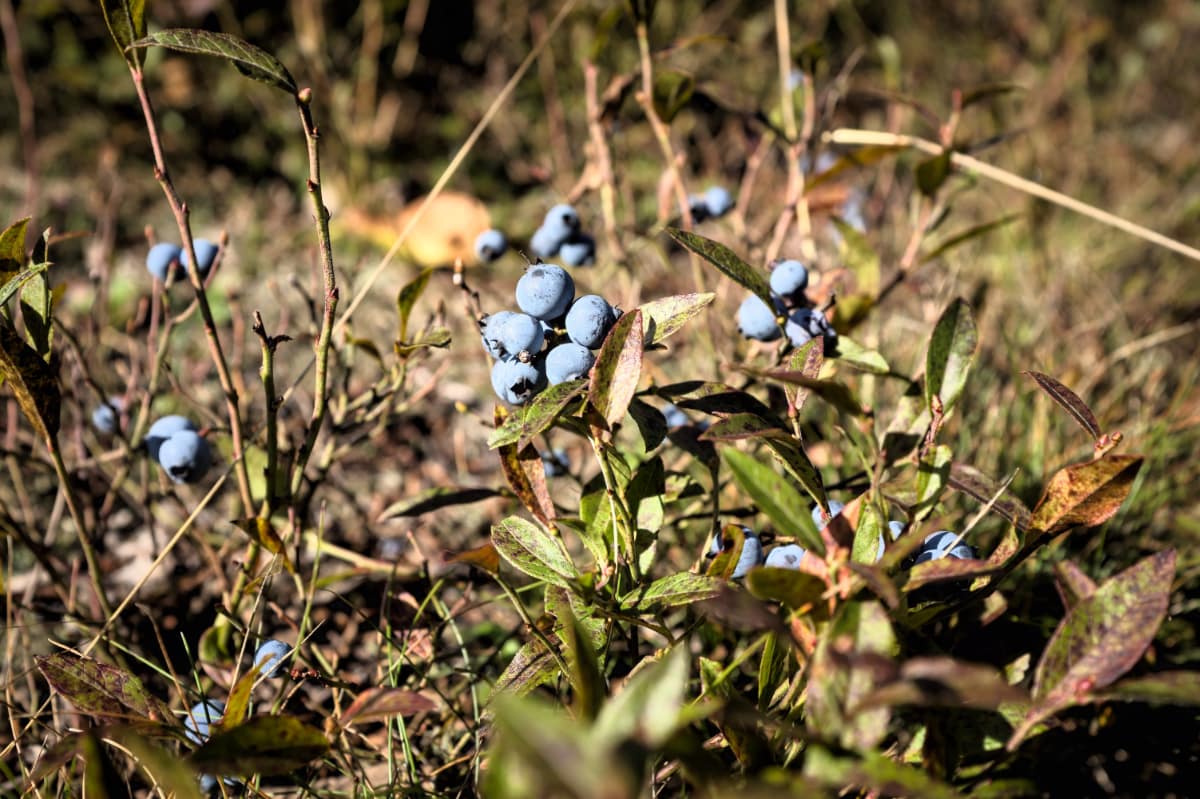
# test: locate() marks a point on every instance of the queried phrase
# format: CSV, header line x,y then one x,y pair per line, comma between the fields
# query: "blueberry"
x,y
516,382
185,457
752,552
939,540
789,279
206,253
698,207
589,320
270,656
568,361
160,258
939,545
518,333
785,557
556,463
674,415
756,320
163,429
895,528
805,324
200,717
835,508
561,219
578,250
545,291
718,201
490,245
489,332
107,417
546,242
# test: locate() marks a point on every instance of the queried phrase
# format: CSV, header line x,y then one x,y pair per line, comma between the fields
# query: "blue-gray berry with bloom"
x,y
206,254
163,429
942,545
161,257
835,508
490,328
787,556
185,457
562,219
490,245
789,279
201,717
674,415
718,201
568,361
556,463
589,320
546,242
516,382
106,418
751,556
519,333
578,250
545,291
805,324
269,657
756,319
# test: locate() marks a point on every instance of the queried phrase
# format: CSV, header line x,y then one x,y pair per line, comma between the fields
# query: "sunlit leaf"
x,y
950,355
380,702
854,354
727,261
667,315
1086,494
12,251
618,369
785,506
681,588
262,745
251,61
528,421
408,297
532,550
1069,401
99,689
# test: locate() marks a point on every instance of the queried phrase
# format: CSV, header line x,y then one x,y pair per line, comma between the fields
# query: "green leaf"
x,y
37,313
791,454
435,499
1085,495
739,426
875,773
532,550
408,297
933,474
968,234
775,496
12,282
863,156
648,707
166,769
100,775
251,61
663,317
33,382
987,91
932,173
528,421
854,354
126,21
618,369
681,588
265,745
12,252
100,690
650,423
834,392
672,91
950,355
868,533
795,589
530,667
860,259
586,676
1160,688
727,261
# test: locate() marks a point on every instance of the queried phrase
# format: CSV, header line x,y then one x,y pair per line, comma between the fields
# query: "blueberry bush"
x,y
729,414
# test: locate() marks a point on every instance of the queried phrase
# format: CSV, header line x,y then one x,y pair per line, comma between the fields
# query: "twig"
x,y
602,158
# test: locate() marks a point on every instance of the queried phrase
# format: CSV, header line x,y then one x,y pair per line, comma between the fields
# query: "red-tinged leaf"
x,y
618,369
950,355
739,610
528,421
1085,495
265,745
974,483
1161,688
485,557
681,588
530,667
1100,639
1073,585
1069,401
665,316
32,380
526,474
100,690
740,426
943,569
834,392
378,703
532,550
727,261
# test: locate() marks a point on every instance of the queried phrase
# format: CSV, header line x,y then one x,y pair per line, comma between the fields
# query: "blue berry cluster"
x,y
181,451
550,340
714,203
789,281
561,236
166,258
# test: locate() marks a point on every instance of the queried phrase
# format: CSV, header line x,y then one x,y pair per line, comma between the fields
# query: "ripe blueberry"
x,y
589,320
835,508
490,245
561,219
545,291
516,382
160,258
519,333
163,429
789,279
206,253
270,656
718,200
578,250
201,717
185,457
805,324
107,417
756,320
568,361
785,557
489,332
546,242
556,463
674,415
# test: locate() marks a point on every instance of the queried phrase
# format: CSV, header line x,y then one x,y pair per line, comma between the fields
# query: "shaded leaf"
x,y
945,682
741,426
33,381
874,772
775,496
988,90
528,421
650,423
1085,495
647,709
672,91
1073,585
166,769
485,557
435,499
262,531
380,702
663,317
944,569
859,257
530,667
618,369
950,355
681,588
795,589
532,550
263,745
251,61
727,261
932,173
586,676
964,236
740,610
969,480
99,689
37,313
408,297
526,474
100,775
1161,688
12,250
1069,401
791,454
